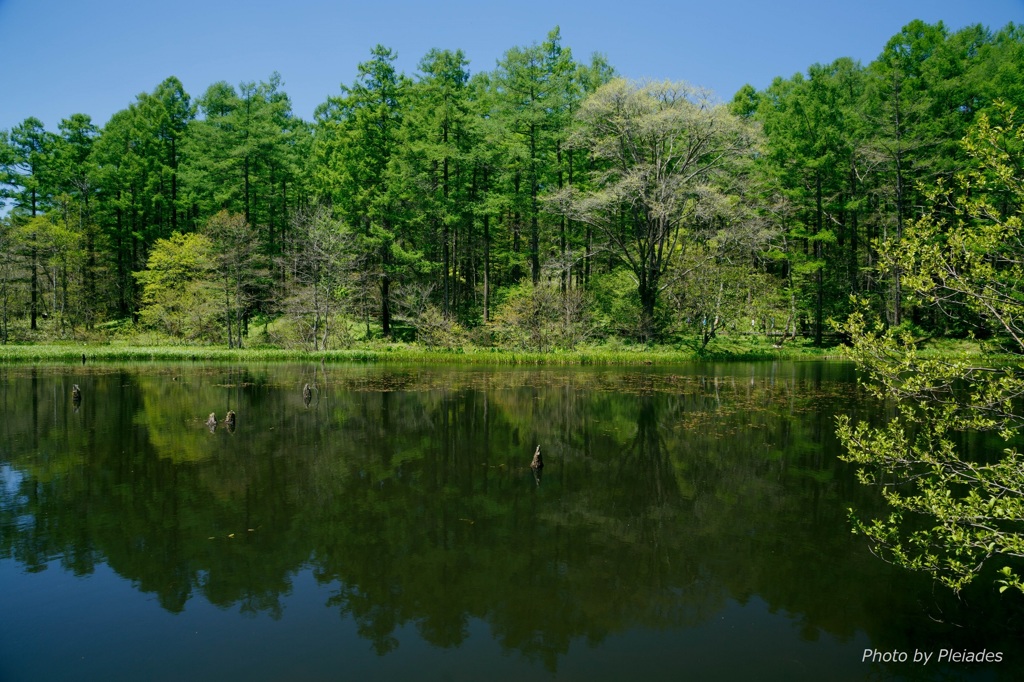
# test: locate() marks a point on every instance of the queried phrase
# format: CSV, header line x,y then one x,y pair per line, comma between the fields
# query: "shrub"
x,y
542,318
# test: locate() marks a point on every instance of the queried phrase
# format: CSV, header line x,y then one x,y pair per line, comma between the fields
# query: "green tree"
x,y
812,182
178,291
166,114
26,177
922,94
9,248
535,89
76,183
898,105
355,139
137,159
242,156
236,264
543,318
430,169
321,269
520,81
485,160
58,243
660,150
120,174
952,515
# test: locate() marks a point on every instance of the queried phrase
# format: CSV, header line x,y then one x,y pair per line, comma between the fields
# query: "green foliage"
x,y
179,294
711,295
462,184
616,303
812,181
237,265
952,515
434,330
662,150
10,244
542,318
243,156
357,135
321,277
430,173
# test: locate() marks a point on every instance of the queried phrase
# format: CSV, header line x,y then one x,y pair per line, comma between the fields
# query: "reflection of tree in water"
x,y
98,490
481,544
409,494
53,470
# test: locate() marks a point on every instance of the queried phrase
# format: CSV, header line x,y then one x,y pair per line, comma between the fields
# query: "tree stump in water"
x,y
537,462
307,394
211,422
229,421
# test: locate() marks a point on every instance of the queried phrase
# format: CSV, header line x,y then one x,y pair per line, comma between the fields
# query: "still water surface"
x,y
690,523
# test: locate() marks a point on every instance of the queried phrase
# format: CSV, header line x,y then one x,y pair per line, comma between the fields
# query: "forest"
x,y
546,204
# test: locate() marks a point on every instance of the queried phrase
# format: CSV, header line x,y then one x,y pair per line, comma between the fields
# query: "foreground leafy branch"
x,y
951,514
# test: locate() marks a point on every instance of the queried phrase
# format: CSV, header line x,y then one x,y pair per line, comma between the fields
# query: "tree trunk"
x,y
819,280
534,226
174,187
385,306
227,312
562,241
648,290
34,256
487,265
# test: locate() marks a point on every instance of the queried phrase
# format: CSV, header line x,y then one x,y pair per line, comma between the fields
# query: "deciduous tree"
x,y
659,149
952,515
178,290
236,263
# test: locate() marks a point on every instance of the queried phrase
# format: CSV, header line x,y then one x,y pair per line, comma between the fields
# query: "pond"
x,y
690,522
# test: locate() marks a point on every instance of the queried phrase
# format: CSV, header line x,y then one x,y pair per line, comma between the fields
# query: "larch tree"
x,y
76,184
356,136
811,159
26,177
430,170
531,88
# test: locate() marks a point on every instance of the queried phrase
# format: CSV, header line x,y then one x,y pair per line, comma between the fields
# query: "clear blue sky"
x,y
64,57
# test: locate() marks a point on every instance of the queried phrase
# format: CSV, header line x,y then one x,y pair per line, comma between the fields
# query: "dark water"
x,y
690,523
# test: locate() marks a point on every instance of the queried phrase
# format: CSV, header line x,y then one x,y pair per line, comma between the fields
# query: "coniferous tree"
x,y
26,176
76,184
430,171
812,154
355,139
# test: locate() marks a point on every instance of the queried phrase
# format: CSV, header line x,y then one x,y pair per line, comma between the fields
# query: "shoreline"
x,y
77,353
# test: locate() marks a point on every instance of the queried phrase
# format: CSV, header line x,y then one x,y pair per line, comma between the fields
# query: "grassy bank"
x,y
398,352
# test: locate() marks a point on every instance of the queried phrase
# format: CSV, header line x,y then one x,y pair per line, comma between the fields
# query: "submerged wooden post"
x,y
537,462
211,422
76,397
307,394
229,420
537,465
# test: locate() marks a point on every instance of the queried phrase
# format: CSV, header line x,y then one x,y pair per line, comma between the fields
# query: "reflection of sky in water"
x,y
76,625
10,479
